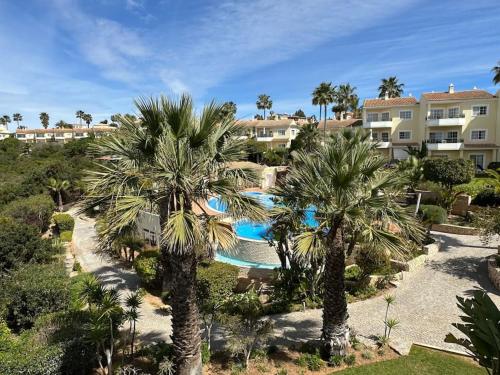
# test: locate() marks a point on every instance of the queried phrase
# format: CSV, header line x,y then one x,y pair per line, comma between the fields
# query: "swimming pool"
x,y
253,249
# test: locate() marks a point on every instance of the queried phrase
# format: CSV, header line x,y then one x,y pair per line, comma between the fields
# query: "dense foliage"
x,y
35,210
20,243
431,214
487,198
64,222
448,172
147,266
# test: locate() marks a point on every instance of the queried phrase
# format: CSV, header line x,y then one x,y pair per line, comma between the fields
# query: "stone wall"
x,y
494,272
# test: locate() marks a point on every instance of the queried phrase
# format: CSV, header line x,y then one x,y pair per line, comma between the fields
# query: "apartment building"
x,y
453,124
274,133
61,135
5,132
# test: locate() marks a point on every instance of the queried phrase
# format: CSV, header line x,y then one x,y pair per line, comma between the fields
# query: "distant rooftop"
x,y
458,95
390,102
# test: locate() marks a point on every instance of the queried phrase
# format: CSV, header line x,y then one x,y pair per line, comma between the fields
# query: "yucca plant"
x,y
171,163
481,327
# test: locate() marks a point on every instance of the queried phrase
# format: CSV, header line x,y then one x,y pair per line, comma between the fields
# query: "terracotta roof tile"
x,y
391,102
266,123
340,124
458,95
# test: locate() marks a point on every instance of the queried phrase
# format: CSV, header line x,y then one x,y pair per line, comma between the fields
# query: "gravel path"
x,y
425,300
153,325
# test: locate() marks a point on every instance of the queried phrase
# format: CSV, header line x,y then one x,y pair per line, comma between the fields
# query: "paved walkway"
x,y
153,325
425,300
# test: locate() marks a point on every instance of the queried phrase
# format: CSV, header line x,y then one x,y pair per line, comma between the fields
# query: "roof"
x,y
458,95
391,102
340,124
246,165
65,130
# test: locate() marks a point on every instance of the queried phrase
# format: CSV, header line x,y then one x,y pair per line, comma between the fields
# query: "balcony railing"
x,y
444,116
382,140
265,135
444,140
379,120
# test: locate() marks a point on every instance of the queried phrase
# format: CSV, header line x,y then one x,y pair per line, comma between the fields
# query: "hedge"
x,y
64,222
448,172
66,236
431,214
147,266
487,198
215,281
35,210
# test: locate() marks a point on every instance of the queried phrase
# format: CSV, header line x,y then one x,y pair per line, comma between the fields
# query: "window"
x,y
386,116
435,137
406,134
282,145
453,112
292,131
281,131
375,136
436,114
479,110
372,117
405,115
478,160
452,137
21,135
478,135
78,134
385,137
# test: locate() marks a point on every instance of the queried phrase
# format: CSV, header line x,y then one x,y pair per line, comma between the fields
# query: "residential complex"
x,y
275,133
56,135
453,124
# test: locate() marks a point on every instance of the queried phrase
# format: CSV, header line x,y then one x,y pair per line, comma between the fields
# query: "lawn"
x,y
420,361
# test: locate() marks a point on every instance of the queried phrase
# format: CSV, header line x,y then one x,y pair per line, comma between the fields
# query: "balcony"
x,y
446,144
378,124
264,137
445,120
383,143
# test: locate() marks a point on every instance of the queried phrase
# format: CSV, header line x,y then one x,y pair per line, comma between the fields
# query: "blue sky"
x,y
60,56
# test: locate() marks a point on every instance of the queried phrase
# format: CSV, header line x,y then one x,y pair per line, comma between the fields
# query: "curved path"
x,y
153,325
425,300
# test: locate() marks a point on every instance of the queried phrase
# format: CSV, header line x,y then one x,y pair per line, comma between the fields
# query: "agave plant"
x,y
481,326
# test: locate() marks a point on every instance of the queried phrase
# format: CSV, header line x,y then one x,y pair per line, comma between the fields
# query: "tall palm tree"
x,y
354,106
174,161
229,109
353,195
17,118
264,102
79,115
344,97
324,95
3,121
87,117
44,119
391,86
496,72
58,187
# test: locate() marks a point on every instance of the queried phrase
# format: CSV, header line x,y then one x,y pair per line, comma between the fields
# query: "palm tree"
x,y
354,106
229,109
79,115
391,86
3,121
44,119
264,102
58,187
344,97
353,195
496,72
133,303
17,118
307,139
174,161
324,95
87,118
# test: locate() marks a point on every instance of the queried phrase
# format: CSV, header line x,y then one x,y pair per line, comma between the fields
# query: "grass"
x,y
419,361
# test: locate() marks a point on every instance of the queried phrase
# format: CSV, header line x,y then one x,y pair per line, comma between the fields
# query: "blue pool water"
x,y
247,229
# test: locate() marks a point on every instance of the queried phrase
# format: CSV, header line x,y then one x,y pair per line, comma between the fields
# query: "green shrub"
x,y
64,222
21,243
448,172
66,236
336,360
373,261
35,210
77,267
474,187
313,362
32,291
205,353
26,358
147,266
367,355
487,198
350,360
431,214
353,273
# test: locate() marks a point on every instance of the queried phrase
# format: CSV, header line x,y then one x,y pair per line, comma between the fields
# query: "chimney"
x,y
386,96
410,94
451,88
474,88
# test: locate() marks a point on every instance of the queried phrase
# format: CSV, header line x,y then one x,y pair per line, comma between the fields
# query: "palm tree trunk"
x,y
320,111
185,319
264,114
335,329
132,341
324,126
59,200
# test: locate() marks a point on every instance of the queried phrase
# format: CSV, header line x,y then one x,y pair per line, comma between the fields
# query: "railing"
x,y
380,120
445,116
444,140
265,135
382,140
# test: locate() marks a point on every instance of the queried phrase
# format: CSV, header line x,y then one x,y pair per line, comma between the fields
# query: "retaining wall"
x,y
494,272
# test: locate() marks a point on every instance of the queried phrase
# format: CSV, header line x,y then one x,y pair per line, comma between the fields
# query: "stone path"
x,y
425,300
153,325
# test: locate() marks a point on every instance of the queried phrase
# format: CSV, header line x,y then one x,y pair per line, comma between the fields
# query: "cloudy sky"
x,y
60,56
